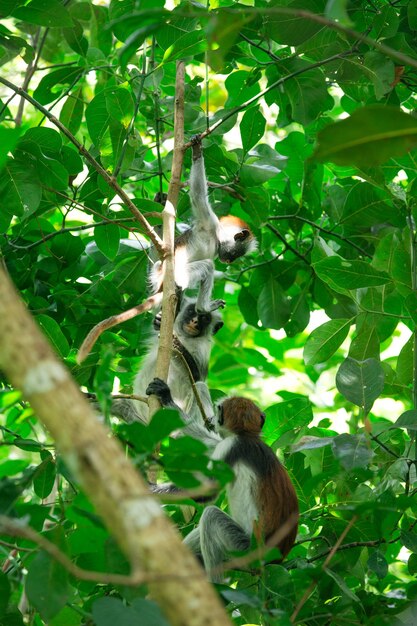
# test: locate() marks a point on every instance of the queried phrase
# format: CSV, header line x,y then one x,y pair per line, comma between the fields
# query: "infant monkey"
x,y
261,498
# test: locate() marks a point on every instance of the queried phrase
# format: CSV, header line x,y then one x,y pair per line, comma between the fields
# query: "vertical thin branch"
x,y
168,214
157,109
329,557
413,255
131,127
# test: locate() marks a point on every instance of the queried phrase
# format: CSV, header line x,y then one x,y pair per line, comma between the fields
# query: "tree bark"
x,y
98,462
169,300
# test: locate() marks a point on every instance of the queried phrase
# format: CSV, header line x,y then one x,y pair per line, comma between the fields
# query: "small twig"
x,y
69,229
15,528
193,386
110,180
114,320
286,244
321,229
313,583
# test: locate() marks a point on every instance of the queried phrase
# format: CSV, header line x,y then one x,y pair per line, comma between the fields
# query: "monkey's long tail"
x,y
95,332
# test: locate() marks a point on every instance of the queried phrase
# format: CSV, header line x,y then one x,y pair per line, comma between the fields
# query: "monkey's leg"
x,y
202,273
192,540
219,534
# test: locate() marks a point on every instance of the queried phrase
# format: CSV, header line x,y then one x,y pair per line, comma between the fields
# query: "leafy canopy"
x,y
312,141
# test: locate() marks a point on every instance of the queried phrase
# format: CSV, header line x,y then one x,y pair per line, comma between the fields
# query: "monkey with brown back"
x,y
261,498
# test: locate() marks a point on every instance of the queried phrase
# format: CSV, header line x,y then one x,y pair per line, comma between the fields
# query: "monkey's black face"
x,y
230,250
196,324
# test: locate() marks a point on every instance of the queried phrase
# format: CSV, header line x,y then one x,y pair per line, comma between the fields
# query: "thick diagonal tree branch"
x,y
98,463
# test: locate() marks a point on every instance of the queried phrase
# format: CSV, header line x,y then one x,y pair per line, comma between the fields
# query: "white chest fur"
x,y
242,492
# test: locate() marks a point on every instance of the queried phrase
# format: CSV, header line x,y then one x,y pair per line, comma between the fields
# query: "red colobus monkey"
x,y
261,498
227,238
193,335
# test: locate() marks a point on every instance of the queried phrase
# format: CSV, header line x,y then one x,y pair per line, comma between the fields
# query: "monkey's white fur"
x,y
207,239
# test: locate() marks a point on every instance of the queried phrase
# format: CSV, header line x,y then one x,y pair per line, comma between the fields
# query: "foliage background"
x,y
333,207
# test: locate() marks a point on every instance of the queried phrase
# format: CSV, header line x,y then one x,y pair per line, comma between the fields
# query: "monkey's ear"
x,y
262,416
221,415
242,235
217,327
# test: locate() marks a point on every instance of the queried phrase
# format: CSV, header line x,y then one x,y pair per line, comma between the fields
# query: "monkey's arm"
x,y
194,426
203,213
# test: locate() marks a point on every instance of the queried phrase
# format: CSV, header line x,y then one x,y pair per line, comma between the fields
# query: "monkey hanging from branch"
x,y
227,238
261,498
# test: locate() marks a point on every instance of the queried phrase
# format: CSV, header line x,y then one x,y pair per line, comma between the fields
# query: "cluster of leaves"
x,y
332,202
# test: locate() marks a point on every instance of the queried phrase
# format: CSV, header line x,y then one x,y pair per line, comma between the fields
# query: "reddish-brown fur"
x,y
232,220
242,416
276,497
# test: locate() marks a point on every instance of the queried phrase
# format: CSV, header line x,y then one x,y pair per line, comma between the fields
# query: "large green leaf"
x,y
273,305
47,585
190,44
343,274
325,340
107,239
370,136
352,451
54,333
50,13
361,382
252,127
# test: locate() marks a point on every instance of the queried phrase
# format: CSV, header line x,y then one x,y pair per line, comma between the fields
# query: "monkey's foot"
x,y
217,304
197,147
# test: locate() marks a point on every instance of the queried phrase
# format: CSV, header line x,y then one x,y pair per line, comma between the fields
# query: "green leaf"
x,y
337,10
239,88
256,173
54,334
47,586
45,475
190,44
111,611
342,274
408,420
72,111
405,362
342,585
50,13
361,382
97,118
252,128
149,611
352,451
370,136
120,105
20,189
325,340
378,564
5,592
292,29
273,305
107,239
8,140
409,540
52,85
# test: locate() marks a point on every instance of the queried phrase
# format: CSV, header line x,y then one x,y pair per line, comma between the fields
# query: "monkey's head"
x,y
193,324
239,416
235,239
